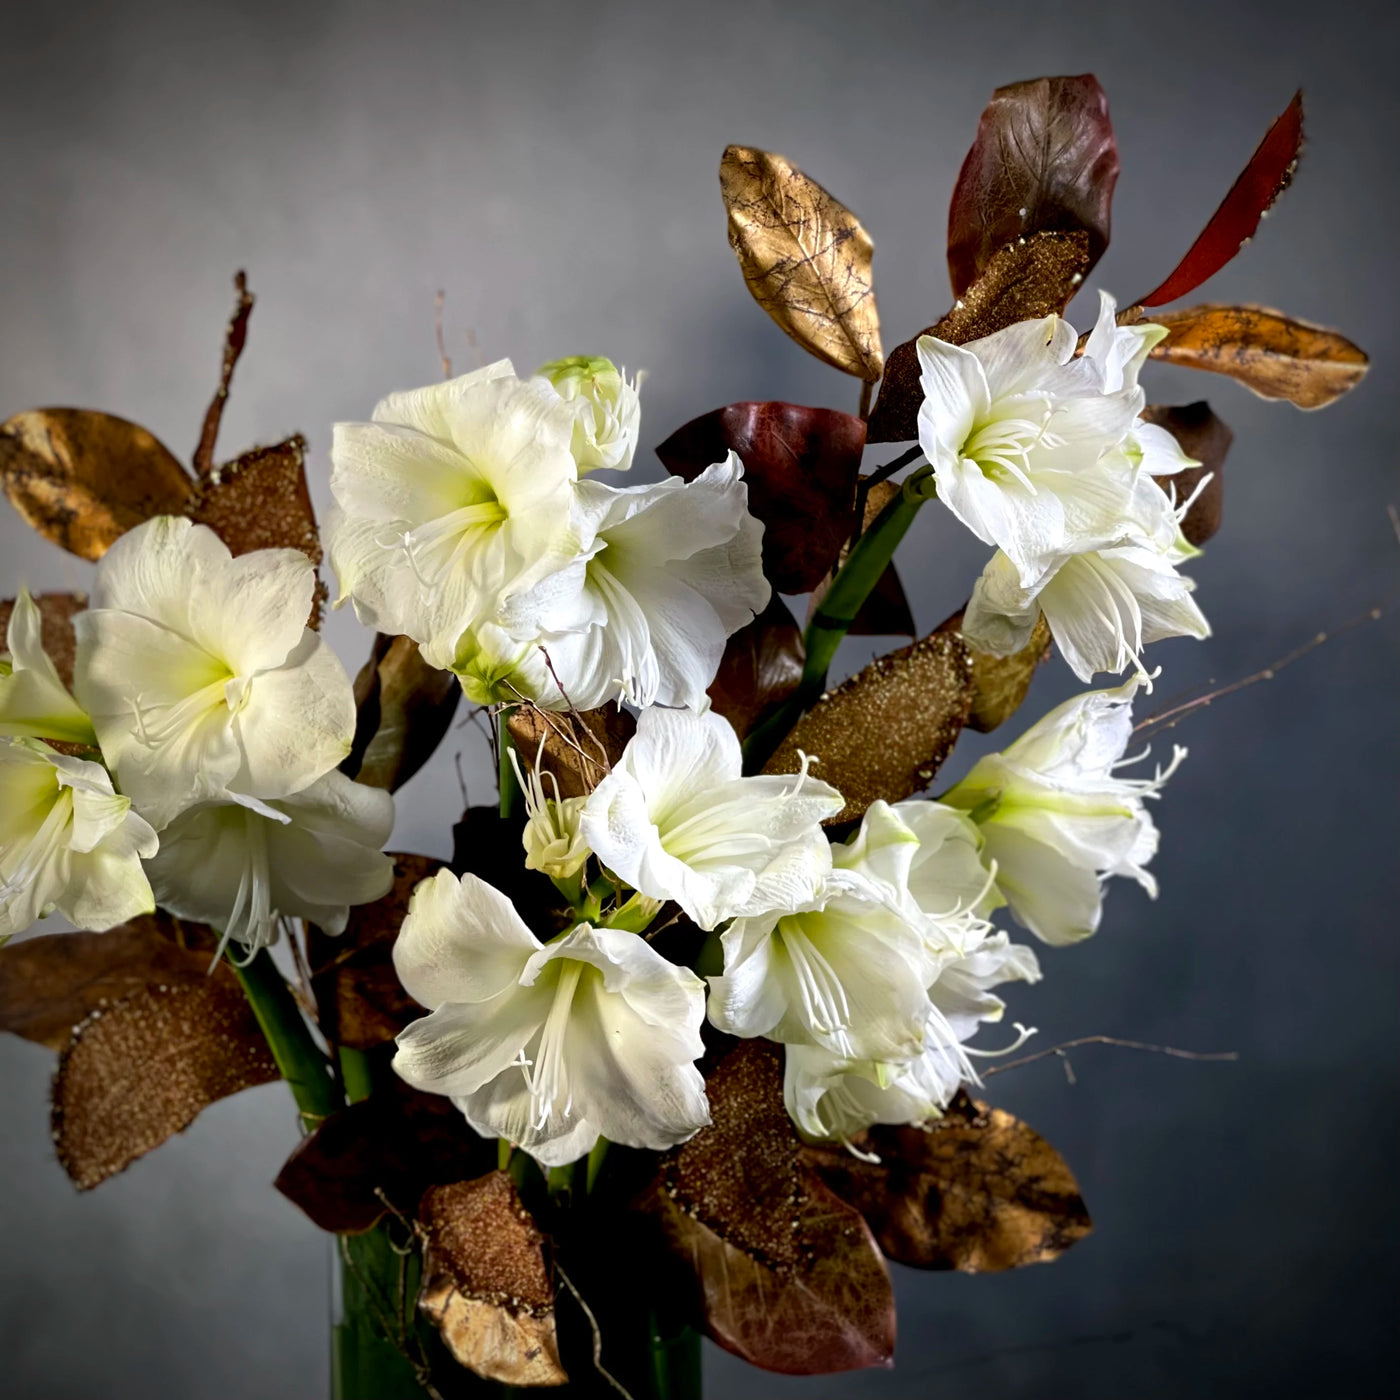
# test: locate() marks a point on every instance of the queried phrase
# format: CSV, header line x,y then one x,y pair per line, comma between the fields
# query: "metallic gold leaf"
x,y
885,732
83,478
1000,683
56,613
579,748
805,258
487,1285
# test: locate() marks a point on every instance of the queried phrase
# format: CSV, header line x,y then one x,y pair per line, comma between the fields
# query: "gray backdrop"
x,y
553,168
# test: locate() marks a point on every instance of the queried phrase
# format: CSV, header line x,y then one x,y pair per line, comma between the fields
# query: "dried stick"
x,y
1059,1050
437,331
235,337
597,1335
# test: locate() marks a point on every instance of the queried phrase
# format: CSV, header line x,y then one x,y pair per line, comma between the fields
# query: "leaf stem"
x,y
512,799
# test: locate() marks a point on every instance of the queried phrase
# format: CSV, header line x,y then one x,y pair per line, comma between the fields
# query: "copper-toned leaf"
x,y
805,258
49,984
1022,282
976,1190
1044,161
885,732
56,613
260,501
1272,354
143,1068
789,1277
1268,174
1000,683
379,1155
83,478
800,465
886,611
579,748
360,1001
1203,436
761,666
487,1285
405,707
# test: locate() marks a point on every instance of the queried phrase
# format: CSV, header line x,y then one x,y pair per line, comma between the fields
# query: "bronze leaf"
x,y
1275,356
805,258
56,613
82,479
580,747
761,666
1000,683
885,732
1201,435
976,1190
487,1285
142,1069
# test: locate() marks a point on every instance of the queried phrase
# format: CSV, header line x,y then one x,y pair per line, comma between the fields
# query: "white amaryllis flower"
x,y
497,668
1056,819
848,971
34,702
608,409
241,865
201,675
549,1046
676,820
450,500
67,842
643,615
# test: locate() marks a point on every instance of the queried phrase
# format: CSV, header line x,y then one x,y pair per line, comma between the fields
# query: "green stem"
x,y
356,1073
512,799
298,1057
869,558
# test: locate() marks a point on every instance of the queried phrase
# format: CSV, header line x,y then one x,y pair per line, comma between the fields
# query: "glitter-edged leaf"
x,y
56,614
82,478
761,666
404,709
1000,683
805,258
800,466
1025,281
143,1068
1275,356
884,733
976,1190
1269,172
487,1283
1203,436
579,747
260,501
787,1275
1044,161
886,611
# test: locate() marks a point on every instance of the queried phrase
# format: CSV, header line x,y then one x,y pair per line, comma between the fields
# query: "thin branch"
x,y
867,389
874,479
1059,1050
437,331
597,1335
235,337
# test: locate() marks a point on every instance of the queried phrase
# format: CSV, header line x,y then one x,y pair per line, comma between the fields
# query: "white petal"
x,y
955,394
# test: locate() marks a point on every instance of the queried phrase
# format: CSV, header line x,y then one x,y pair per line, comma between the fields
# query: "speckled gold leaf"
x,y
805,258
142,1070
1000,683
884,733
487,1284
83,478
977,1190
56,613
579,748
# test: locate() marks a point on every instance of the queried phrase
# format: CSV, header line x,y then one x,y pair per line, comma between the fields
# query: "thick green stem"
x,y
512,799
298,1057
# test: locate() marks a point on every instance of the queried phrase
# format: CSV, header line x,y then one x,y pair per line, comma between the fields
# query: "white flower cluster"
x,y
201,748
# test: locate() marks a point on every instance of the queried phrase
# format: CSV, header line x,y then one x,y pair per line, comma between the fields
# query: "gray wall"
x,y
554,169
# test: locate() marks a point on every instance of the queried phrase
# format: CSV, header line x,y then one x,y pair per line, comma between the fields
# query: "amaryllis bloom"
x,y
549,1046
643,615
241,865
496,667
676,820
1057,820
201,675
67,842
452,499
608,410
34,702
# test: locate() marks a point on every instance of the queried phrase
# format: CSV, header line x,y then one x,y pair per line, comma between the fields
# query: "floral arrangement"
x,y
686,1037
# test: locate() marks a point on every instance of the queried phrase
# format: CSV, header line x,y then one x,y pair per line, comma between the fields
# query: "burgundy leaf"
x,y
1268,174
1044,160
801,466
761,666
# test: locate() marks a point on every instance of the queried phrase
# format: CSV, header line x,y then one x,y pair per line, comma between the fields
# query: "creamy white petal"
x,y
34,702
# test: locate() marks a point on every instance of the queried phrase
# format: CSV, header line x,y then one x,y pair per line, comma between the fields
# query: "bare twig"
x,y
874,479
1059,1050
235,337
597,1335
867,388
461,779
437,331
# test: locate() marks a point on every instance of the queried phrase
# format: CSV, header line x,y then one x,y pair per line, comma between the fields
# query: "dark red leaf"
x,y
1203,436
801,466
1268,174
761,667
1044,161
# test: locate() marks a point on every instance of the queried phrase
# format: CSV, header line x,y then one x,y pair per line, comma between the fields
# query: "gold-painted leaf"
x,y
405,707
56,614
1030,278
82,478
976,1190
805,258
487,1284
142,1069
50,984
1201,435
1275,356
579,748
1000,683
884,733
